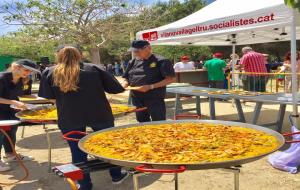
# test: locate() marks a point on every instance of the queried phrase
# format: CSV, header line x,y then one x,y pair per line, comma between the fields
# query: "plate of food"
x,y
121,109
201,91
28,106
218,92
267,93
132,88
247,93
236,91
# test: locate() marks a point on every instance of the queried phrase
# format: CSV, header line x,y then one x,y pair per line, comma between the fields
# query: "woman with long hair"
x,y
79,91
14,83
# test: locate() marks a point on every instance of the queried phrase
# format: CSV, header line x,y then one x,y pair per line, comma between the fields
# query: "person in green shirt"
x,y
215,68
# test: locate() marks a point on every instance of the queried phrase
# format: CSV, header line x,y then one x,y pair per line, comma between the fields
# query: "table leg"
x,y
176,181
237,179
129,99
198,105
49,149
256,113
178,105
236,172
280,118
240,110
212,108
23,132
136,185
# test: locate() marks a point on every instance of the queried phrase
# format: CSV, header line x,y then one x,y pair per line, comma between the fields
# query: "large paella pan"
x,y
193,144
49,113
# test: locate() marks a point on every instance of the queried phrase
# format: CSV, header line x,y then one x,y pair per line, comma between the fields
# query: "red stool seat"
x,y
7,124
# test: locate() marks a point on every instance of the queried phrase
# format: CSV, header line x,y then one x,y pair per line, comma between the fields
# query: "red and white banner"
x,y
257,19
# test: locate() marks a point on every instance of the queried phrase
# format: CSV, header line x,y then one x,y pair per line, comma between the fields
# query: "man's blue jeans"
x,y
79,156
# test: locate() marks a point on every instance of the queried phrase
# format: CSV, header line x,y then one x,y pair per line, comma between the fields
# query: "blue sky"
x,y
4,29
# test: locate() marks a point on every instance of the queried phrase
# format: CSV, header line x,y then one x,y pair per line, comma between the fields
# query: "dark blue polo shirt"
x,y
147,72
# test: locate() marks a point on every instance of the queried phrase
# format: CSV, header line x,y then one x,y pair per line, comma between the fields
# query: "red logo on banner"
x,y
150,36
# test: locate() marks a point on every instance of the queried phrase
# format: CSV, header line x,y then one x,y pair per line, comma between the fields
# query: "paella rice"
x,y
181,143
50,113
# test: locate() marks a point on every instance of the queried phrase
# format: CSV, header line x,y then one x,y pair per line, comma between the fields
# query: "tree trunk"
x,y
95,55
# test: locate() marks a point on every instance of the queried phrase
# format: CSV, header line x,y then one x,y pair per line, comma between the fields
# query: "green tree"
x,y
164,13
97,25
90,23
293,3
175,52
22,45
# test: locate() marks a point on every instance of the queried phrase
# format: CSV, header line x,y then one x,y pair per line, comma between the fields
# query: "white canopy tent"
x,y
254,21
233,22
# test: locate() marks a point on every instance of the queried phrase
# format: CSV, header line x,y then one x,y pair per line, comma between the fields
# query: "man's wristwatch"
x,y
151,86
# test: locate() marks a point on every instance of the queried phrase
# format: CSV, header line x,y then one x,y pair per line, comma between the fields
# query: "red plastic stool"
x,y
6,125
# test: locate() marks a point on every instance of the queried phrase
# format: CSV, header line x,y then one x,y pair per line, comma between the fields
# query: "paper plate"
x,y
132,88
29,106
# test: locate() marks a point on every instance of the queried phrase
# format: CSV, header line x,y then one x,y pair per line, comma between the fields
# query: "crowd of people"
x,y
253,68
117,69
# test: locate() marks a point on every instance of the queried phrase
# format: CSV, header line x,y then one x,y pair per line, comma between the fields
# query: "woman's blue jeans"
x,y
78,156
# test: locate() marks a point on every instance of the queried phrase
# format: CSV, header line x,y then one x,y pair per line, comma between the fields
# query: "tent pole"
x,y
233,66
132,38
294,67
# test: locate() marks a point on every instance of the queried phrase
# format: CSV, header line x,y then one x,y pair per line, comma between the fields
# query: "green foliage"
x,y
175,52
174,10
166,12
89,23
47,23
293,3
20,45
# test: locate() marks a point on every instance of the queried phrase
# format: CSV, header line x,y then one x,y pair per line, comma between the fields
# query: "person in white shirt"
x,y
184,65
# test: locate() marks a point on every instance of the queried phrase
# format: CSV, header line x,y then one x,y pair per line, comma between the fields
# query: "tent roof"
x,y
252,21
